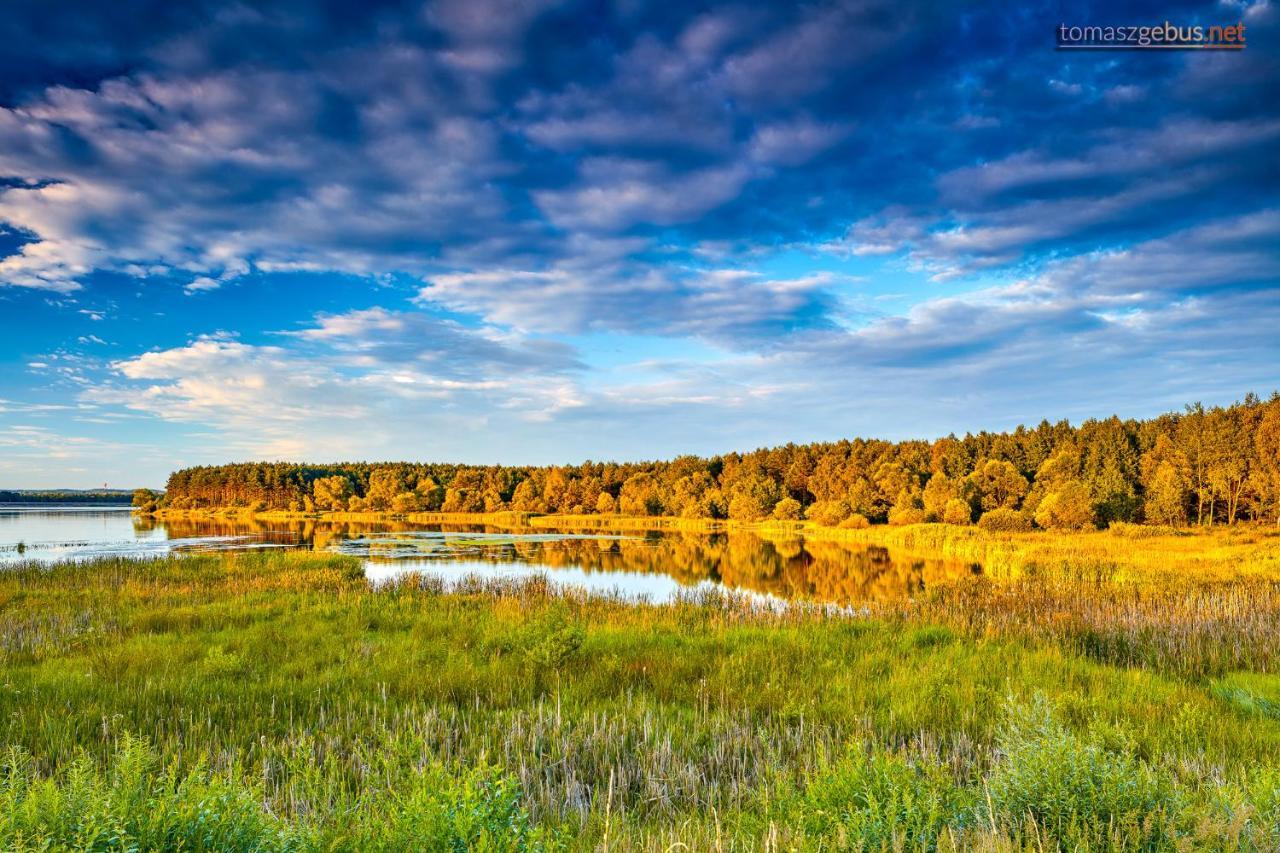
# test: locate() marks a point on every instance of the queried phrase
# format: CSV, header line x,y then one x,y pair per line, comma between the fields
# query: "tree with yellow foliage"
x,y
957,511
998,485
1166,477
331,493
1068,507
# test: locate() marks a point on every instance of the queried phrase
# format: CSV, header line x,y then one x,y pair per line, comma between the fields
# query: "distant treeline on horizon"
x,y
1203,465
66,496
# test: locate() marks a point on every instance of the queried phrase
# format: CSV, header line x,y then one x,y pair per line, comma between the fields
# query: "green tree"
x,y
1193,440
145,500
1109,469
462,499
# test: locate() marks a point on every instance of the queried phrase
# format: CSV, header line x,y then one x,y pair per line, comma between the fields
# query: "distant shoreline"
x,y
111,497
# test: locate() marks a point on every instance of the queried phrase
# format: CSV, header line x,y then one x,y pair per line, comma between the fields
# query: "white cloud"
x,y
613,194
734,307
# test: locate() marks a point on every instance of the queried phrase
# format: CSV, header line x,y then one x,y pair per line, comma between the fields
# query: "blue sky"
x,y
532,232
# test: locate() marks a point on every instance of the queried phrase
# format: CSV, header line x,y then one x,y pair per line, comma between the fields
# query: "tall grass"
x,y
1122,552
277,701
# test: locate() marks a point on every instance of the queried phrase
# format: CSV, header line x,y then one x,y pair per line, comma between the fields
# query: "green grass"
x,y
275,701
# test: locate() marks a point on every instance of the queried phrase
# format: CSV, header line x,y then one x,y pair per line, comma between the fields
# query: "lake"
x,y
655,566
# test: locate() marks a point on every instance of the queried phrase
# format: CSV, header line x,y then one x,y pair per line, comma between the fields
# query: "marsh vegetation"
x,y
278,700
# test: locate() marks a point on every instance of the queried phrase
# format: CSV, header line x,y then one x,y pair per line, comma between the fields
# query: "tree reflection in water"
x,y
788,566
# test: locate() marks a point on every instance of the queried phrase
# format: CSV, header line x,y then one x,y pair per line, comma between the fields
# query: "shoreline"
x,y
1121,552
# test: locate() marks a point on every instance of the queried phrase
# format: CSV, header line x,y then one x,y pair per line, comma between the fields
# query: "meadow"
x,y
1116,690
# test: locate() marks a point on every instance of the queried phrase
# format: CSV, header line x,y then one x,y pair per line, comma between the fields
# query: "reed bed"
x,y
1123,552
279,701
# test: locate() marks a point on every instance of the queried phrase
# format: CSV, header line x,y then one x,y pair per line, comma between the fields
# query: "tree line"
x,y
1216,465
65,496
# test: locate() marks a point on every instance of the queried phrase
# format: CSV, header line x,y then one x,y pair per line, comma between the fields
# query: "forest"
x,y
65,496
1203,466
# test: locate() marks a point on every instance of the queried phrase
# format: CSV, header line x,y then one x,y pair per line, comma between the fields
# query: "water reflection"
x,y
789,568
653,564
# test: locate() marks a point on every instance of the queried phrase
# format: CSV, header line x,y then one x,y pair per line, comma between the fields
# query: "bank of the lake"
x,y
1120,551
280,701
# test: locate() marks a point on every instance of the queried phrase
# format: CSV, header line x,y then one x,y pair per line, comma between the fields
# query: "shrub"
x,y
855,522
829,513
1071,786
880,802
139,805
135,805
906,515
219,662
1128,530
957,511
1004,521
788,509
476,810
551,641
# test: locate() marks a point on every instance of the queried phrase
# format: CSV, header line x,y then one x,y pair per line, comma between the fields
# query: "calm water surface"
x,y
654,566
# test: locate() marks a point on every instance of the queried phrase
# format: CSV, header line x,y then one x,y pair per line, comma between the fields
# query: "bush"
x,y
855,522
906,515
138,804
829,513
957,511
135,805
551,641
1072,787
880,802
788,509
1004,521
1142,531
476,810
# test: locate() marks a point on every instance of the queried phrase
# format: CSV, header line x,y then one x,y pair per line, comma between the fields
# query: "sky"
x,y
539,232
